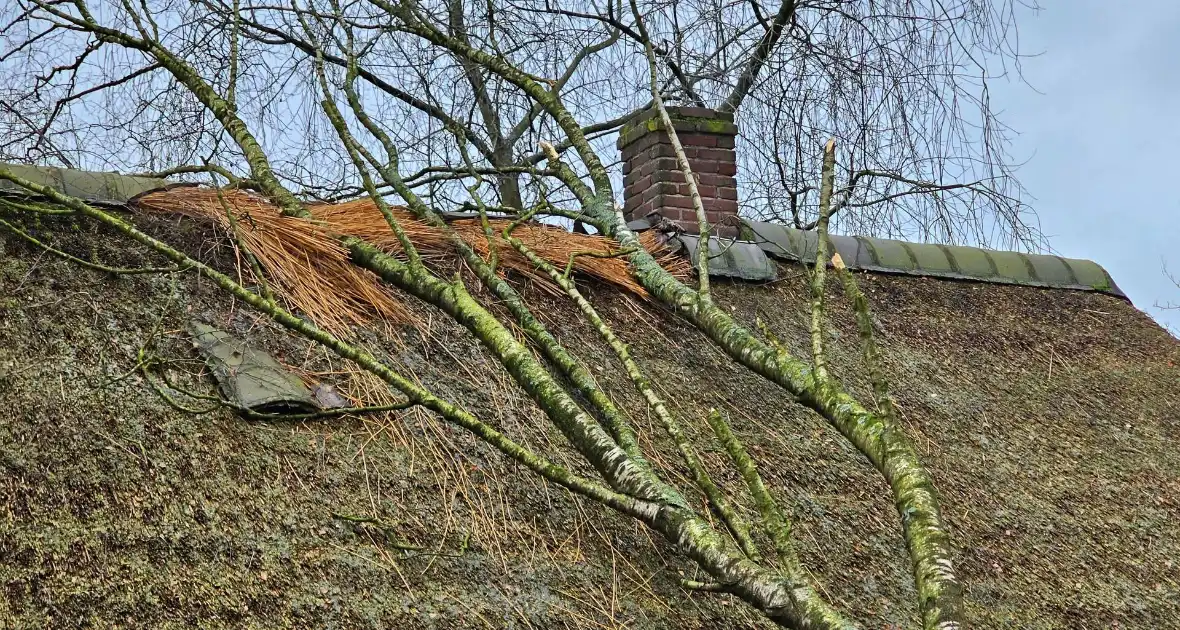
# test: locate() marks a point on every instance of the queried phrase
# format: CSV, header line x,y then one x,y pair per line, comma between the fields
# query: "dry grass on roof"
x,y
307,266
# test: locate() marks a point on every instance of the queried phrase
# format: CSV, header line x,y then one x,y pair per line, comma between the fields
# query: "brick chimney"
x,y
653,183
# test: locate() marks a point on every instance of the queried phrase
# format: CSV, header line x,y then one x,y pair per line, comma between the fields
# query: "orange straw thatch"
x,y
306,265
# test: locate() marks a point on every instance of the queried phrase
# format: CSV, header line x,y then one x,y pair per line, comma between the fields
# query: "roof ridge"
x,y
866,253
936,260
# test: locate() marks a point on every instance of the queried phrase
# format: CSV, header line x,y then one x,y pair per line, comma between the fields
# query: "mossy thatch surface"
x,y
1050,420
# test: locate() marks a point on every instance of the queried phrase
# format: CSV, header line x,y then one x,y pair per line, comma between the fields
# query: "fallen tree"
x,y
747,552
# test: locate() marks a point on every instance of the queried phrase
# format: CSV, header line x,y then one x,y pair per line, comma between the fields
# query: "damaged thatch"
x,y
312,270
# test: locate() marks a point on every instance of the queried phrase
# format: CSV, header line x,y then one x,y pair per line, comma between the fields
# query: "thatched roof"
x,y
1049,418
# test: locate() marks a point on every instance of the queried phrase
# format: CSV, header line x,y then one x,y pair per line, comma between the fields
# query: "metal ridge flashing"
x,y
934,260
90,186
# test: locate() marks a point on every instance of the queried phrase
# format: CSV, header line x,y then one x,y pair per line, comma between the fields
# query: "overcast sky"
x,y
1101,140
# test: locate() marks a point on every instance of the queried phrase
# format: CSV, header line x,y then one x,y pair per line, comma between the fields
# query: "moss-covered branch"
x,y
586,435
657,103
881,441
778,529
868,342
716,498
192,169
819,269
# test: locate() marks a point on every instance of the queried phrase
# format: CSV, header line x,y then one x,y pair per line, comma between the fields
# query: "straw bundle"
x,y
305,264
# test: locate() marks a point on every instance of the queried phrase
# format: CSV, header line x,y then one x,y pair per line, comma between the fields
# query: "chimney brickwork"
x,y
653,183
